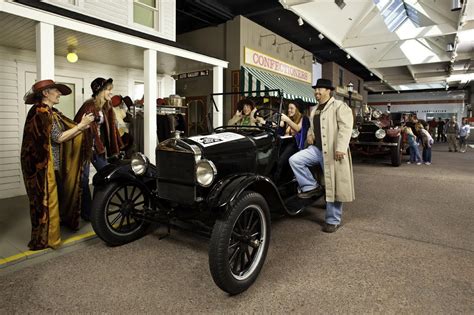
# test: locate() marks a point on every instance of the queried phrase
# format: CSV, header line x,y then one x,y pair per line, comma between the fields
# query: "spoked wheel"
x,y
239,244
114,211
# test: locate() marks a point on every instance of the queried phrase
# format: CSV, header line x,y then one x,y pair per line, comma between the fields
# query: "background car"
x,y
378,134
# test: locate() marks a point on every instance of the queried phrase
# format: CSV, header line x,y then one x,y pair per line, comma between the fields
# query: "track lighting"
x,y
371,74
456,5
300,21
321,36
348,56
449,47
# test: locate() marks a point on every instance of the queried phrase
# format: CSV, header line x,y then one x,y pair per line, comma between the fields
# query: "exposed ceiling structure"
x,y
403,43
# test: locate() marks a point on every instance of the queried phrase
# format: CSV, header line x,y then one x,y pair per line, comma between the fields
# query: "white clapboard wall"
x,y
16,66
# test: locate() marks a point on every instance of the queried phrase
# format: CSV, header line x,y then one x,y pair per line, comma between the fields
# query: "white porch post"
x,y
44,51
218,87
150,104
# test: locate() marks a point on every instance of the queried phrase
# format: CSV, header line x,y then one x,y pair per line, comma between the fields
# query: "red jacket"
x,y
112,141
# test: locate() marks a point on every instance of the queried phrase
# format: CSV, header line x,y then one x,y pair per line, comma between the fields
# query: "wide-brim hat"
x,y
323,83
116,100
42,85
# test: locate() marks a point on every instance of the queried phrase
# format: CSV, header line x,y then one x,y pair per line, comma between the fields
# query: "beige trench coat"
x,y
336,128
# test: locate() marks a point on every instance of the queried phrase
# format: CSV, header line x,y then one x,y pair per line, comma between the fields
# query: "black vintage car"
x,y
378,134
220,184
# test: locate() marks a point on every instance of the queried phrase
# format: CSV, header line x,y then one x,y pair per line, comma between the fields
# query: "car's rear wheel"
x,y
239,244
396,153
114,211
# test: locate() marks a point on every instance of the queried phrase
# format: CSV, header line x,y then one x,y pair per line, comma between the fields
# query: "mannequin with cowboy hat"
x,y
102,140
328,145
51,148
295,124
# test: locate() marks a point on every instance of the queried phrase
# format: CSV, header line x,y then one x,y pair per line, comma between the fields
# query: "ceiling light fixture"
x,y
450,47
371,74
300,21
72,56
348,56
340,3
321,36
456,5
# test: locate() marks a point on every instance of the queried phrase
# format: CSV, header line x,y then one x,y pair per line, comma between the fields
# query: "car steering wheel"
x,y
271,118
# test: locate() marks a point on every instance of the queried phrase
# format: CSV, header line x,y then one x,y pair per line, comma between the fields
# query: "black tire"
x,y
396,153
239,244
113,209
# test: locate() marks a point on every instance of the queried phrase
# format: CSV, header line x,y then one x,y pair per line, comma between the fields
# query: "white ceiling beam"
x,y
405,61
385,51
372,11
432,12
412,72
421,32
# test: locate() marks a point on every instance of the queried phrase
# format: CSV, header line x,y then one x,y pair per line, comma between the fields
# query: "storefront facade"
x,y
34,41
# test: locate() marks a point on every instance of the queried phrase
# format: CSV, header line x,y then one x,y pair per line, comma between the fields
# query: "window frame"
x,y
156,11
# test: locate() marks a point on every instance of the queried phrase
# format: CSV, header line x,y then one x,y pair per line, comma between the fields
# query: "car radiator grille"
x,y
176,176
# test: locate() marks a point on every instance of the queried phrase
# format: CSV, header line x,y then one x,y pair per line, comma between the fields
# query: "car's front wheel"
x,y
114,212
239,244
396,153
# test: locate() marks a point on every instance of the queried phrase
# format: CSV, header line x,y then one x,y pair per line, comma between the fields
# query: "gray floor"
x,y
407,246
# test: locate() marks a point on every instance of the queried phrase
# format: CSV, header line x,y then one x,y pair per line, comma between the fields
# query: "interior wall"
x,y
425,104
13,64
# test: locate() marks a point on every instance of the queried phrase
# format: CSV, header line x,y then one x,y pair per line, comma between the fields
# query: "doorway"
x,y
69,104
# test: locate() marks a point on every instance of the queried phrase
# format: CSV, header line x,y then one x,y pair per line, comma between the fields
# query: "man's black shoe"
x,y
311,193
330,228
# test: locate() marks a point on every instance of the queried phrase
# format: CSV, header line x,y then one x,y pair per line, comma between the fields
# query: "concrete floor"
x,y
407,246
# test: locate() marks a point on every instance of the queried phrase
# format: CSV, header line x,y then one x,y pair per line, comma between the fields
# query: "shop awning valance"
x,y
253,79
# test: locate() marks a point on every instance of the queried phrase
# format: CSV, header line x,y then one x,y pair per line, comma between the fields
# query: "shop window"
x,y
145,12
341,77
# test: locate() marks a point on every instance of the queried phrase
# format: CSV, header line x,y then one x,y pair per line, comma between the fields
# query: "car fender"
x,y
123,172
225,193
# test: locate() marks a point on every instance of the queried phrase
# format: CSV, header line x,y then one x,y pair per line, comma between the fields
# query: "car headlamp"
x,y
355,133
376,114
380,134
205,172
139,163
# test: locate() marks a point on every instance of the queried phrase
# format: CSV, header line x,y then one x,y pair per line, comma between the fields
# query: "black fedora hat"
x,y
323,83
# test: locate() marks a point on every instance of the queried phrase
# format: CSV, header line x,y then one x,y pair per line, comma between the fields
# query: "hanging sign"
x,y
193,74
259,60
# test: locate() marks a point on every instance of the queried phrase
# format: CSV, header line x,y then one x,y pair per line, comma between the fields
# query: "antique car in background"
x,y
378,134
220,184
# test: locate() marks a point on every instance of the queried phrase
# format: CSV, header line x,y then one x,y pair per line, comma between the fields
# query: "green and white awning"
x,y
253,79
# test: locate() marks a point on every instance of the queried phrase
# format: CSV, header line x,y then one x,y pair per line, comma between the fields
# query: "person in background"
x,y
441,136
426,142
102,140
412,143
51,160
244,116
121,111
295,124
328,145
452,132
432,126
464,132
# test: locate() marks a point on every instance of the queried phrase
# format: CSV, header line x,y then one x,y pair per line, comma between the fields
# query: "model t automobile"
x,y
377,134
222,184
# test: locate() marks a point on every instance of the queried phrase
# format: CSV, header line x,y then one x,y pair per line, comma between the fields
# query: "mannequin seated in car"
x,y
296,125
245,114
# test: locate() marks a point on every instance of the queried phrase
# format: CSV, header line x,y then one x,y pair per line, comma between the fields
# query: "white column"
x,y
150,138
218,87
44,51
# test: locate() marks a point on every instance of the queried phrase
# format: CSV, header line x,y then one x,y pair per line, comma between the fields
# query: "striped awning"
x,y
253,79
